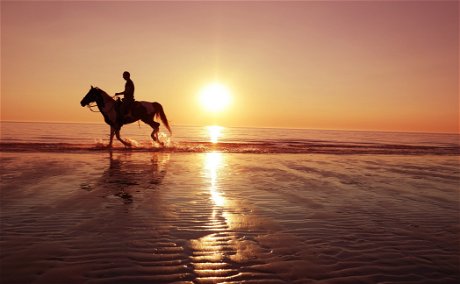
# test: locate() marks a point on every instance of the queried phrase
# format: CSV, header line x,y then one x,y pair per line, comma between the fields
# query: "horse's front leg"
x,y
112,133
126,143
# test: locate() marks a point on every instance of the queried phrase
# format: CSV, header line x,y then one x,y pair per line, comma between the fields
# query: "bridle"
x,y
90,107
94,104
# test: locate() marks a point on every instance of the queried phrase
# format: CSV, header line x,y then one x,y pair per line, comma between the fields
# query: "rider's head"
x,y
126,75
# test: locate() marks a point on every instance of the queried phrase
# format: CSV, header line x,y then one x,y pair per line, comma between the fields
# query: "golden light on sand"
x,y
212,163
215,97
215,132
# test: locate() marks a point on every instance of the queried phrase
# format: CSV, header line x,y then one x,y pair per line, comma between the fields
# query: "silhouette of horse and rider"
x,y
118,112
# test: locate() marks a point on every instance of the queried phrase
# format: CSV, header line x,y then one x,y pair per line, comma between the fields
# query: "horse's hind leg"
x,y
156,128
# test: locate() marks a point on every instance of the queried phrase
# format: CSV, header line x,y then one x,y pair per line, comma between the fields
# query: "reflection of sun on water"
x,y
215,132
212,253
217,197
213,163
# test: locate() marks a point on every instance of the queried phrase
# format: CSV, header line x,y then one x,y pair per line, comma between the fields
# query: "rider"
x,y
128,94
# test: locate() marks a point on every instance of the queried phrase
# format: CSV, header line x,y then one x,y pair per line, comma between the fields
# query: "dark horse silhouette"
x,y
144,111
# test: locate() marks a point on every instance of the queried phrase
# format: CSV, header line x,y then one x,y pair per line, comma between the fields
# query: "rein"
x,y
90,107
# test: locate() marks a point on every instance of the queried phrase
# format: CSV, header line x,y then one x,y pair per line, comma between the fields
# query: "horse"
x,y
140,110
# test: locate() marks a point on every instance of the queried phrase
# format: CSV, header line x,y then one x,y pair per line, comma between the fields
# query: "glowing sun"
x,y
215,97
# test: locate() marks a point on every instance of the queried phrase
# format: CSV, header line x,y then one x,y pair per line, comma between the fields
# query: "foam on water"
x,y
258,148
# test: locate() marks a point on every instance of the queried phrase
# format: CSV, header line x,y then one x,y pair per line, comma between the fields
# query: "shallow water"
x,y
227,205
68,137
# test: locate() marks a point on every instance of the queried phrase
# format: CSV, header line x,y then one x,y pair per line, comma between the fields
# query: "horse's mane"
x,y
103,92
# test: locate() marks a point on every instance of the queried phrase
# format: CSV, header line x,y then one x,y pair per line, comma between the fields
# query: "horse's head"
x,y
91,96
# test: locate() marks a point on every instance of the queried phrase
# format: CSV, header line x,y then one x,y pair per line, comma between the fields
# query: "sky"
x,y
362,65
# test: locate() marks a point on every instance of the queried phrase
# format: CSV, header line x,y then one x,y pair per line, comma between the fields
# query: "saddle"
x,y
125,110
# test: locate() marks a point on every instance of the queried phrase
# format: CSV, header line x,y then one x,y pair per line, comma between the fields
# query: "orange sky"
x,y
333,65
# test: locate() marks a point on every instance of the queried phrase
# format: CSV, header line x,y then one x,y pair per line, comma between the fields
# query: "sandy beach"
x,y
125,217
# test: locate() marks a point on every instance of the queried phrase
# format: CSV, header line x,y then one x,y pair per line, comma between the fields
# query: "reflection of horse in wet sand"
x,y
126,174
144,111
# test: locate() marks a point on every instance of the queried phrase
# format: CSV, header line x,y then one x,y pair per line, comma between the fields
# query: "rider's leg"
x,y
119,111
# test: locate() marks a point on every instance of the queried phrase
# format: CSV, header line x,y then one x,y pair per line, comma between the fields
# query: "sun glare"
x,y
214,132
215,97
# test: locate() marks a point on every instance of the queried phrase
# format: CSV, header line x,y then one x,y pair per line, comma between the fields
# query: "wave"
x,y
292,147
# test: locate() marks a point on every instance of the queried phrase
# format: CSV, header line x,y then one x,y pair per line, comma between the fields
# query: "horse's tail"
x,y
160,114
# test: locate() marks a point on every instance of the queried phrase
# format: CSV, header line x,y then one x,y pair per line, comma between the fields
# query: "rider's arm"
x,y
122,93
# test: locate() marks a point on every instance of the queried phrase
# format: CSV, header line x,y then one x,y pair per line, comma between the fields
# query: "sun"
x,y
215,97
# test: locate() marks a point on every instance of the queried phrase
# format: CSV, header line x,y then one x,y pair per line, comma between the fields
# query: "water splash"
x,y
133,142
99,143
165,139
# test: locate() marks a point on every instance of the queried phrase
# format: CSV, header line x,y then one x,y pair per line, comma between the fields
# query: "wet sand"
x,y
127,217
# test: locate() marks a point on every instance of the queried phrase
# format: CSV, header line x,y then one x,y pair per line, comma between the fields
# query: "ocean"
x,y
227,205
70,137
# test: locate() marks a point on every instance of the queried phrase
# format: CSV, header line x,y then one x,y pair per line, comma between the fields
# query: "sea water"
x,y
38,136
241,204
